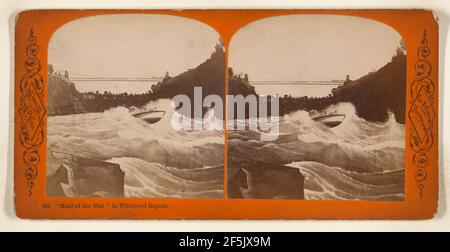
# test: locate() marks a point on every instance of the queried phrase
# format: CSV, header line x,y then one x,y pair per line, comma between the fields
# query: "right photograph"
x,y
337,89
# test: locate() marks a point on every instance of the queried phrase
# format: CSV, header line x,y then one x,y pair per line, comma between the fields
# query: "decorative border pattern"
x,y
422,114
31,111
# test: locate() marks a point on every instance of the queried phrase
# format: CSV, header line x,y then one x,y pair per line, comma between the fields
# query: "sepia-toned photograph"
x,y
111,79
341,86
249,114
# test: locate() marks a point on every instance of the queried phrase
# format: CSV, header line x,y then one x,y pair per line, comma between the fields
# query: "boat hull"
x,y
150,116
330,120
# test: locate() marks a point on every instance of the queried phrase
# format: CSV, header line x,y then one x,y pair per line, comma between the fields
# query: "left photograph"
x,y
112,120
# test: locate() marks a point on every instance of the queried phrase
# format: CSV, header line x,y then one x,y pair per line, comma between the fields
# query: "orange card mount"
x,y
226,114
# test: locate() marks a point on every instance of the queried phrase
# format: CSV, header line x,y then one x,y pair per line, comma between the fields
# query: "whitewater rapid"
x,y
357,160
158,161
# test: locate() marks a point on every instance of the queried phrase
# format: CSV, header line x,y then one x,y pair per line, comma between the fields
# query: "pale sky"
x,y
129,45
311,47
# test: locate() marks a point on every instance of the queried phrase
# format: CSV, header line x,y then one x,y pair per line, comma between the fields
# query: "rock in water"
x,y
83,177
256,180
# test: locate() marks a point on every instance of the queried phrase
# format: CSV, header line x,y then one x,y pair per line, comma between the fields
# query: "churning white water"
x,y
355,160
158,161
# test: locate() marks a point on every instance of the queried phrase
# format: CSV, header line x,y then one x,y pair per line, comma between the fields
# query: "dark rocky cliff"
x,y
373,95
379,92
259,180
210,75
63,97
238,85
83,177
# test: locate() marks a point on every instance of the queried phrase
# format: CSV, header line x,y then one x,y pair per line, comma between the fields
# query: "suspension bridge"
x,y
119,79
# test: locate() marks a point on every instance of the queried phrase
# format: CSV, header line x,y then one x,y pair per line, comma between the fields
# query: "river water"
x,y
356,160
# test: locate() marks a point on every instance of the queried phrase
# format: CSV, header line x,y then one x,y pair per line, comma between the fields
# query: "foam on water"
x,y
153,156
355,160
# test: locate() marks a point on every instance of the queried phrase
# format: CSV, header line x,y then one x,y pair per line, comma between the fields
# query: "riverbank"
x,y
373,95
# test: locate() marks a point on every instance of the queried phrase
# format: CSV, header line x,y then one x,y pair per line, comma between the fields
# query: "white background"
x,y
9,222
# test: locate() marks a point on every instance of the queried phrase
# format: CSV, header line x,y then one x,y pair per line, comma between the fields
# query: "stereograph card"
x,y
226,114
